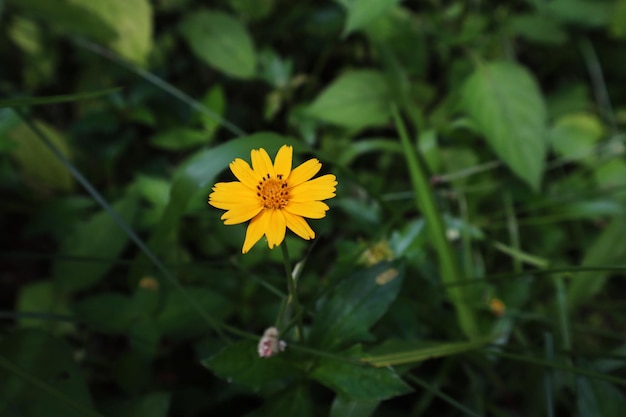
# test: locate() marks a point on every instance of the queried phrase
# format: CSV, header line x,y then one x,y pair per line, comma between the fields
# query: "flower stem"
x,y
292,299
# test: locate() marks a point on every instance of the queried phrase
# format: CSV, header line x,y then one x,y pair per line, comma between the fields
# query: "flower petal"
x,y
310,209
229,195
304,172
275,232
282,162
241,214
244,173
298,225
256,230
320,188
261,163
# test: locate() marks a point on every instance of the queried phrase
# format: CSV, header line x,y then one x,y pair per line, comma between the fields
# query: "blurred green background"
x,y
471,264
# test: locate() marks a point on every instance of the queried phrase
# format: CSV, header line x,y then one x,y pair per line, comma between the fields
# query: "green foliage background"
x,y
471,263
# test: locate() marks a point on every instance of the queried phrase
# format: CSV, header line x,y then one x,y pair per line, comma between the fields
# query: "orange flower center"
x,y
272,192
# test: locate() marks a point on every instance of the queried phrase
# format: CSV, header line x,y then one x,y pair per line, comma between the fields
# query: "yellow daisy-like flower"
x,y
273,196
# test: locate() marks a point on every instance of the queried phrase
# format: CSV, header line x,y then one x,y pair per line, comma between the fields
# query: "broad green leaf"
x,y
539,28
610,174
41,297
506,104
180,138
105,312
155,404
356,99
617,24
132,22
581,12
125,25
343,407
214,100
294,401
36,161
49,359
34,101
608,249
240,363
359,382
355,305
365,146
575,136
179,320
362,12
144,337
99,239
221,41
70,16
599,398
252,9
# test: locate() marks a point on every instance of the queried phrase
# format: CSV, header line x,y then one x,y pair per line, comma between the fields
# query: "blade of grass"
x,y
419,355
425,201
80,178
33,101
37,382
549,385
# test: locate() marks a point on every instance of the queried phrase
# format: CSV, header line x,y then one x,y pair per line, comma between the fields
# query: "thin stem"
x,y
292,288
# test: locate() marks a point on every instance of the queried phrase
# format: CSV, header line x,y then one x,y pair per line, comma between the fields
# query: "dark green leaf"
x,y
49,359
180,138
241,363
362,12
599,398
179,320
294,401
356,99
100,238
343,407
506,104
106,312
355,305
359,382
221,41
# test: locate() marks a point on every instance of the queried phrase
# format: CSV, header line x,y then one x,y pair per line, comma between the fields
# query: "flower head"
x,y
273,196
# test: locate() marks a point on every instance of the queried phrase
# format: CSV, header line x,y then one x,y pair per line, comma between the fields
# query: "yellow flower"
x,y
273,196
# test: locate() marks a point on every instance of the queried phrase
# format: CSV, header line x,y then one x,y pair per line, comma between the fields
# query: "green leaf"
x,y
99,238
132,21
599,398
359,382
591,13
539,28
155,404
41,297
179,320
343,407
106,312
144,337
70,17
362,12
221,41
37,163
356,99
617,24
355,305
50,360
575,135
608,249
506,104
125,25
33,101
294,401
240,363
180,138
